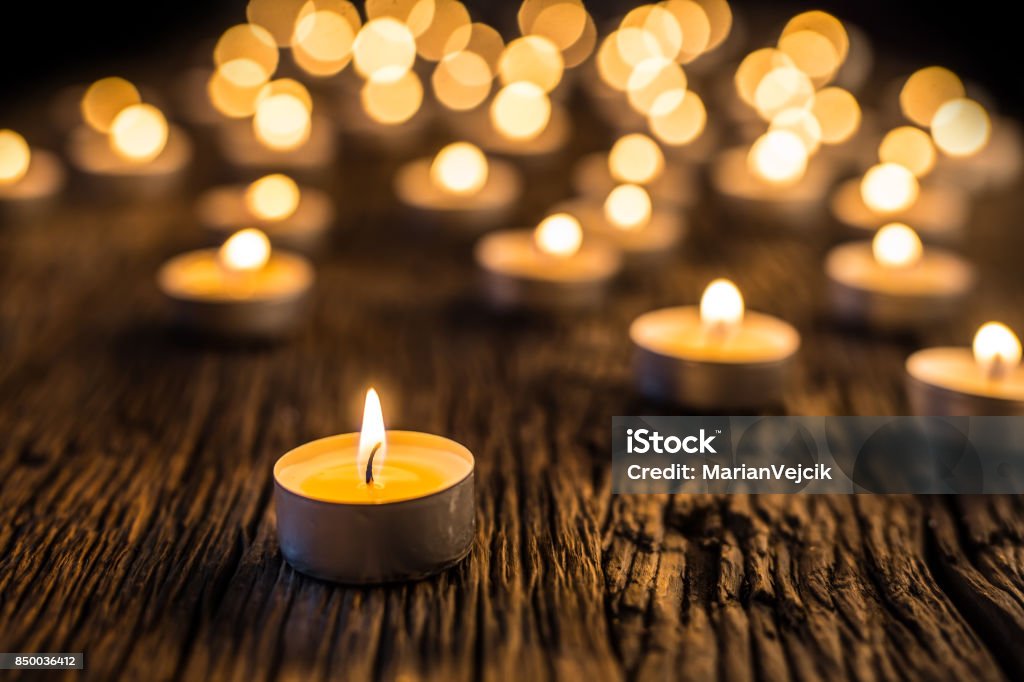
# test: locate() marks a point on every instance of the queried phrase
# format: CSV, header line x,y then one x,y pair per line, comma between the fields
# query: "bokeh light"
x,y
628,207
460,168
272,197
778,157
462,80
139,133
15,157
909,147
390,101
961,127
896,246
838,114
559,235
282,121
384,49
520,111
247,250
681,125
926,90
533,59
889,188
104,99
636,159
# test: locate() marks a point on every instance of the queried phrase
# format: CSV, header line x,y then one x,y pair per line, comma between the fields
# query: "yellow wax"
x,y
198,275
415,465
404,476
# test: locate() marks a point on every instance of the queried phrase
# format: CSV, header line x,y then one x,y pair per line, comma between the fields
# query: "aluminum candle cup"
x,y
750,199
947,382
719,360
940,213
864,289
91,153
34,191
522,272
238,295
222,210
242,149
446,190
332,526
655,239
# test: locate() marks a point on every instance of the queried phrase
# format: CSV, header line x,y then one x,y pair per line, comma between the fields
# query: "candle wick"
x,y
369,463
996,368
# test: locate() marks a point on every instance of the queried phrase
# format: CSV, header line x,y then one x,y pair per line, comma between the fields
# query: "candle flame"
x,y
636,158
460,168
721,308
997,350
896,246
628,207
372,441
139,132
282,121
247,250
889,188
778,157
520,111
559,235
272,197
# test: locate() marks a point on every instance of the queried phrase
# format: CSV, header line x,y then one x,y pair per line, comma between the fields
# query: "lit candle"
x,y
714,356
637,159
127,143
774,179
628,218
241,290
521,121
986,380
894,283
548,268
28,178
375,506
459,187
292,216
939,210
284,133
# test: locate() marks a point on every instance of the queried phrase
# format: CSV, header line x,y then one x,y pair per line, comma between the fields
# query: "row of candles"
x,y
629,208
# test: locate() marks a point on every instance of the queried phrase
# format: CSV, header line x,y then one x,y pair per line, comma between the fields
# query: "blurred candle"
x,y
551,267
894,283
714,356
29,179
241,290
292,216
985,380
459,186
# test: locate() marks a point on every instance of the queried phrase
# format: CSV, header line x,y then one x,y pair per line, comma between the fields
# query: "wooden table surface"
x,y
136,515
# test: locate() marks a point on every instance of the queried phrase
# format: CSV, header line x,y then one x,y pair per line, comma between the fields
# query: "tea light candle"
x,y
376,506
894,283
521,121
637,159
293,217
140,152
772,179
28,178
241,290
938,210
549,268
627,217
986,380
459,186
244,143
713,357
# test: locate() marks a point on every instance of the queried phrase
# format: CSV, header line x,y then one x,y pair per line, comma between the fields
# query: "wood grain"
x,y
136,521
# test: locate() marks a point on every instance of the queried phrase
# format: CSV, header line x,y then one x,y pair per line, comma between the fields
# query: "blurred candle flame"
x,y
721,309
997,350
247,250
896,246
559,235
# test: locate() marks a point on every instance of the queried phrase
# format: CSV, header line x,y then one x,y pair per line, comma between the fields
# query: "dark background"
x,y
47,44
